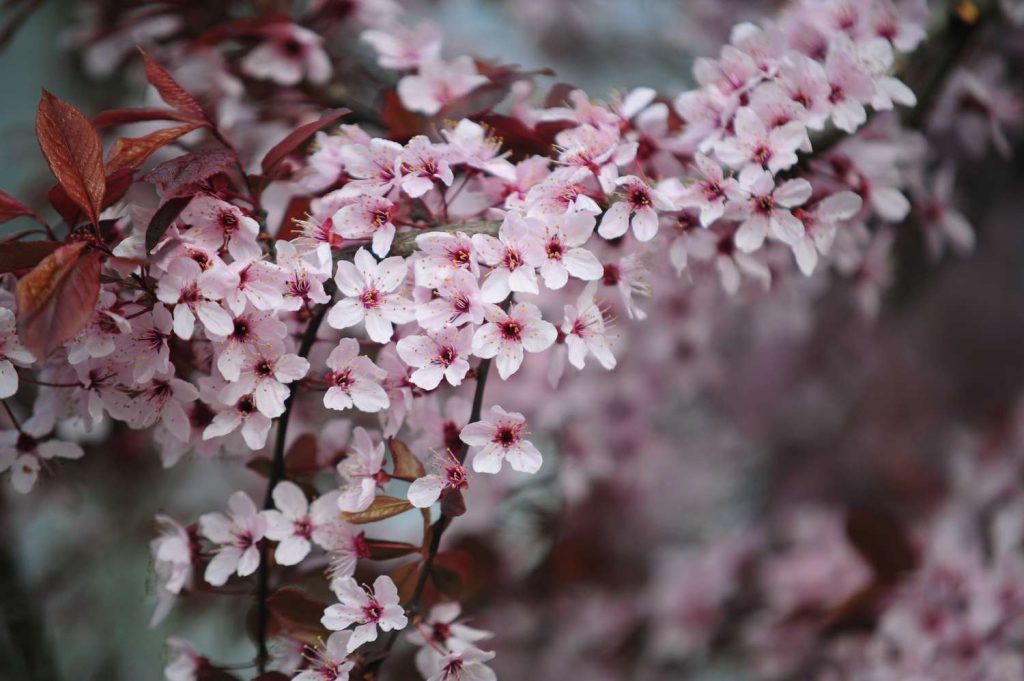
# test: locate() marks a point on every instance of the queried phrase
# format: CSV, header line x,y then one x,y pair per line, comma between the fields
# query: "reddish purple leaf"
x,y
296,139
173,93
11,208
56,299
115,117
132,152
74,152
187,174
21,255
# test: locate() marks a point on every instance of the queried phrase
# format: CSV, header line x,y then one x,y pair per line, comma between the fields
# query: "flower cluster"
x,y
377,267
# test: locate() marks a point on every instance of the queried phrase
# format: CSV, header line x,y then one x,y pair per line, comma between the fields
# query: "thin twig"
x,y
277,473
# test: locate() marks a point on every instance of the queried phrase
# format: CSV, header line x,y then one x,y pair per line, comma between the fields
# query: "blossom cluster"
x,y
423,254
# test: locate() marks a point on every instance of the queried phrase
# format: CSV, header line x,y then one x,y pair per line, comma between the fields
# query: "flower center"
x,y
511,330
341,379
506,436
370,298
447,355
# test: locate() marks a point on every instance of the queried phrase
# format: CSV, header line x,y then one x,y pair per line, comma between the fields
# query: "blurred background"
x,y
730,427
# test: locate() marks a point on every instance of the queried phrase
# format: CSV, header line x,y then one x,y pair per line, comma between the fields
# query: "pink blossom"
x,y
513,257
289,54
562,192
755,146
174,554
213,224
507,334
562,239
193,293
260,284
242,414
237,535
148,350
438,83
22,452
499,437
425,491
585,332
400,48
456,301
11,353
329,661
637,209
369,217
304,275
362,471
354,380
438,354
470,143
441,630
465,665
766,208
264,376
440,254
373,167
370,294
368,609
709,193
251,333
820,223
424,164
294,524
851,86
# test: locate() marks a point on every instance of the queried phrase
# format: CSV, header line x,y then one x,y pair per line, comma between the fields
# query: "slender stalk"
x,y
277,473
437,529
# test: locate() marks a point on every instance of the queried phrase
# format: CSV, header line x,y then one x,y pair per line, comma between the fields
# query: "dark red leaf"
x,y
57,298
162,219
404,577
298,208
173,93
11,208
296,612
558,95
187,174
296,139
132,152
21,255
521,140
208,672
301,459
385,550
68,210
74,153
453,504
882,540
401,123
115,117
118,183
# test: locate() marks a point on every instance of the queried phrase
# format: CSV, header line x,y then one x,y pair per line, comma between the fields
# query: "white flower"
x,y
507,335
585,331
361,471
329,661
498,438
368,287
439,354
294,523
354,380
238,533
424,492
365,608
